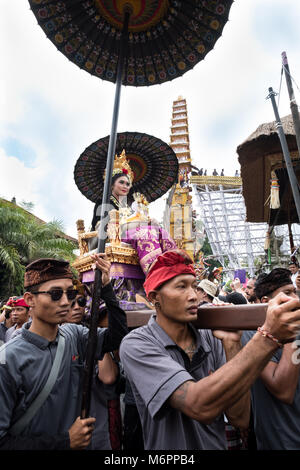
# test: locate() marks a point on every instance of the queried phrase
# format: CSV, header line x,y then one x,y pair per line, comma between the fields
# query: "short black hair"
x,y
268,283
236,298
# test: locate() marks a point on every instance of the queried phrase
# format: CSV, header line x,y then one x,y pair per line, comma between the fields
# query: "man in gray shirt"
x,y
19,315
5,321
181,383
276,393
26,361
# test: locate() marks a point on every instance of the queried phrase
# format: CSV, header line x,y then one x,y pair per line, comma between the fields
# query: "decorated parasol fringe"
x,y
274,193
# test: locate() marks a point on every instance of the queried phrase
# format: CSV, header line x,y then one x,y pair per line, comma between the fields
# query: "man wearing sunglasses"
x,y
78,306
27,361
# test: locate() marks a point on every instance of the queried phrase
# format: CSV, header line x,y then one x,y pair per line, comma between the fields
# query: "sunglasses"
x,y
56,294
81,301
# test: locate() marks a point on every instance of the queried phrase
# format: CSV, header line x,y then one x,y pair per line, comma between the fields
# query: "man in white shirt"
x,y
294,268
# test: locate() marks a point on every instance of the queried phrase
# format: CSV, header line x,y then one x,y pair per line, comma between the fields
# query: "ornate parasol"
x,y
166,37
154,164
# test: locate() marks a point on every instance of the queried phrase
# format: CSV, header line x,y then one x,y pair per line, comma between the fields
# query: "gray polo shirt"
x,y
155,367
12,332
3,330
25,364
101,394
276,424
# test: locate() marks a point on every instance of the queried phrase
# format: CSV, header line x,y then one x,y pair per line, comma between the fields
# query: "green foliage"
x,y
28,206
207,251
23,239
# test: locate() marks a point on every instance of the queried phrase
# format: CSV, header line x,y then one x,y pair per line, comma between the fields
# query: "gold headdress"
x,y
121,166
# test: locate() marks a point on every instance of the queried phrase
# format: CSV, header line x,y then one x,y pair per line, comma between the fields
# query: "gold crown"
x,y
122,166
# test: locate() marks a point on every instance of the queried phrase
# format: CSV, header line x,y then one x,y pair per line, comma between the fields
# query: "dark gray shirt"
x,y
101,394
11,333
3,330
156,367
25,364
276,424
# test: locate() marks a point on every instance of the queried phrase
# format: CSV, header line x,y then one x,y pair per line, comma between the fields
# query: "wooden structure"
x,y
259,155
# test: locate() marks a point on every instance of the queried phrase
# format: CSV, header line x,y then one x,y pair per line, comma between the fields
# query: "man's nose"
x,y
64,299
192,293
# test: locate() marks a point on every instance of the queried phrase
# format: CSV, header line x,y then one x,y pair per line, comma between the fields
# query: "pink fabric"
x,y
149,241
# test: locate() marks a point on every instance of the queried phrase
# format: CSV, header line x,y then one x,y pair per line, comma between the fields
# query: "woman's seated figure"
x,y
136,228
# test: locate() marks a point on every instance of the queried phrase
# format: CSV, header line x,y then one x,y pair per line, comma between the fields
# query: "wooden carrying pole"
x,y
226,317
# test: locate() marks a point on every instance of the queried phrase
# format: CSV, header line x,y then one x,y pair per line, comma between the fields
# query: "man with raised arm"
x,y
183,379
276,392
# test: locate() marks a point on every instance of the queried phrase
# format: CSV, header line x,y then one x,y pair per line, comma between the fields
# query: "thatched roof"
x,y
269,128
259,154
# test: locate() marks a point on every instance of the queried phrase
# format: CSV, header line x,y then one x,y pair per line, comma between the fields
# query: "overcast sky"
x,y
50,110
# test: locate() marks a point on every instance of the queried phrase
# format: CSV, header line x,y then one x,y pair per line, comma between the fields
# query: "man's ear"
x,y
152,296
264,299
29,299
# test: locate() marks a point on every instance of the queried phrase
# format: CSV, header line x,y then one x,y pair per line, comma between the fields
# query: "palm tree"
x,y
23,238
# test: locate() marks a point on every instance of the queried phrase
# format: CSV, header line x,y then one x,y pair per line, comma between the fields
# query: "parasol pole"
x,y
293,104
286,153
96,298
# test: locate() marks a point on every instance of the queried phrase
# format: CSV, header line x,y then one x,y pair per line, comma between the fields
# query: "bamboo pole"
x,y
286,154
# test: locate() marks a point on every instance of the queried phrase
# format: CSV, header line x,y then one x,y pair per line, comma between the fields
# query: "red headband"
x,y
168,265
13,302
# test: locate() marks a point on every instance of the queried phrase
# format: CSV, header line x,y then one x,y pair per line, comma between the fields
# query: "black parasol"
x,y
166,37
154,164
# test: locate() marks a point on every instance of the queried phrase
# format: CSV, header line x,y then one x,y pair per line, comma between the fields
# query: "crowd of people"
x,y
162,386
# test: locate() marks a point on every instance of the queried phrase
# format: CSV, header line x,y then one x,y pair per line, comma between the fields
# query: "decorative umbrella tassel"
x,y
274,195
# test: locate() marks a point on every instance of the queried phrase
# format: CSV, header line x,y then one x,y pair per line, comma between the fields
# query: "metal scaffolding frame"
x,y
234,242
232,239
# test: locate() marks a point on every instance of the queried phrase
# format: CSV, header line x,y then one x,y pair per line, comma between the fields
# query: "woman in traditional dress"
x,y
143,234
122,178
